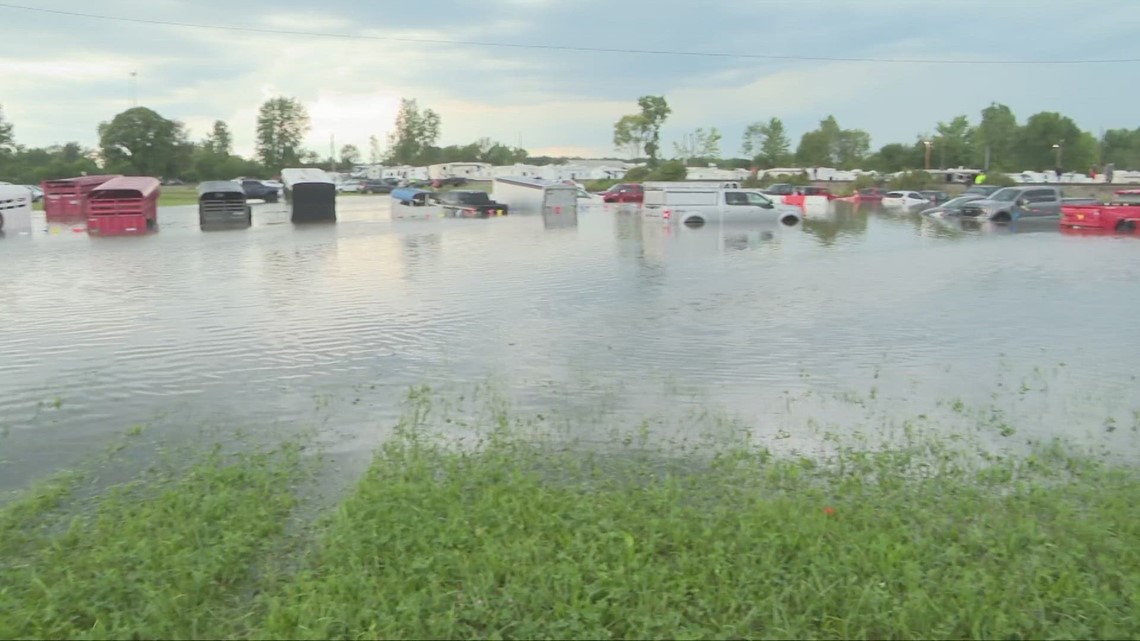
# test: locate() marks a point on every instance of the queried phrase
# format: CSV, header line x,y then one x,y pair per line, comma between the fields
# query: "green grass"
x,y
171,195
517,533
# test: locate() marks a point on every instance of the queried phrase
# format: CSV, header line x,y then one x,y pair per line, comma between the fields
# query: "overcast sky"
x,y
61,75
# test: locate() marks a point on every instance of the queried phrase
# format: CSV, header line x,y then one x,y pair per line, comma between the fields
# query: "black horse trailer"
x,y
310,195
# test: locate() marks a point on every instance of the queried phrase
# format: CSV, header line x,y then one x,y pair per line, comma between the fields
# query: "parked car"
x,y
258,190
351,186
37,193
817,191
903,199
464,203
952,207
450,181
935,197
1017,203
624,193
780,189
870,194
381,186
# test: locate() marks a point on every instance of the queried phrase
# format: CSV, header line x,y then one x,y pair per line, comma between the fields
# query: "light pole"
x,y
928,145
1060,146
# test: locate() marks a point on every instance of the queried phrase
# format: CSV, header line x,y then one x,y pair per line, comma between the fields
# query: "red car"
x,y
1121,216
817,191
870,194
624,193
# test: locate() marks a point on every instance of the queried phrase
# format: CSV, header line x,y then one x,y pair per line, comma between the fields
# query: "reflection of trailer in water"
x,y
409,202
557,202
15,209
310,195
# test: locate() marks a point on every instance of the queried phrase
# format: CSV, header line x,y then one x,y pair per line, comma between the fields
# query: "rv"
x,y
310,195
536,196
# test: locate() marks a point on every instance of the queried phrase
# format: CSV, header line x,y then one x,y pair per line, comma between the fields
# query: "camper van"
x,y
696,206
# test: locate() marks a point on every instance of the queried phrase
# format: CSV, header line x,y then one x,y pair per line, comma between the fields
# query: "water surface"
x,y
857,318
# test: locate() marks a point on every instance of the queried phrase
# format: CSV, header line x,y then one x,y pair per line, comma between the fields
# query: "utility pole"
x,y
332,152
928,144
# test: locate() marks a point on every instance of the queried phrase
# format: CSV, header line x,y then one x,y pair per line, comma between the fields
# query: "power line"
x,y
508,45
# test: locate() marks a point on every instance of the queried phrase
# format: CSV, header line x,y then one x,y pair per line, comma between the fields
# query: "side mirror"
x,y
767,205
1022,202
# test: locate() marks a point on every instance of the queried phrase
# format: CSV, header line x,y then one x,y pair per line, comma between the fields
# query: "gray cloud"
x,y
65,74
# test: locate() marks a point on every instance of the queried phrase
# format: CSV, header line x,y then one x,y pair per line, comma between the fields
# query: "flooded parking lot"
x,y
855,319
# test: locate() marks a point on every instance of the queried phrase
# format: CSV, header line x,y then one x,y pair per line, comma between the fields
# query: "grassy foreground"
x,y
515,537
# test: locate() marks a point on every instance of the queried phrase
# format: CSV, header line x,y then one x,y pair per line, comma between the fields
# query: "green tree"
x,y
630,134
954,143
7,135
220,141
831,145
139,141
894,157
644,127
997,133
699,144
1121,147
282,124
349,155
415,133
375,154
767,144
671,170
1044,133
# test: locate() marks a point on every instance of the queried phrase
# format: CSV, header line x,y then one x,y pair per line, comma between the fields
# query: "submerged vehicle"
x,y
222,203
470,203
952,207
1017,203
696,206
1121,215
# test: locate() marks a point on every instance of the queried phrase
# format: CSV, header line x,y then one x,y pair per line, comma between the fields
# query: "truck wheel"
x,y
1124,226
1000,217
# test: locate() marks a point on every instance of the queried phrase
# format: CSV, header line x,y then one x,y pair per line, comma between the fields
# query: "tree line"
x,y
140,141
997,141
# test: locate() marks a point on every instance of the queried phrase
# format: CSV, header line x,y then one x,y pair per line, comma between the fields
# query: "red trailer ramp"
x,y
66,198
124,205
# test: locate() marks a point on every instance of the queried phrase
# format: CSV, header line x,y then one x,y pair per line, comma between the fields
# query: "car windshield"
x,y
958,202
1006,195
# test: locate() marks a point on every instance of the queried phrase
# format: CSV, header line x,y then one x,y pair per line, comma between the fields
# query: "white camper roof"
x,y
694,184
305,175
527,181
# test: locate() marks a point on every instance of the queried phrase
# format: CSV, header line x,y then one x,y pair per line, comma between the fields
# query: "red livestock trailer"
x,y
66,198
124,205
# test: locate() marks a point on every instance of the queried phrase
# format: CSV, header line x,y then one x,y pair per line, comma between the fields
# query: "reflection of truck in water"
x,y
463,203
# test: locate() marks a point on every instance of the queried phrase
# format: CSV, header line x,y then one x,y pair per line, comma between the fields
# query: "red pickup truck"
x,y
1121,216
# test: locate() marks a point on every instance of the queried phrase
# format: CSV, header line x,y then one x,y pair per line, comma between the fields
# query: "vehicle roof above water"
x,y
295,176
217,186
144,185
14,191
527,181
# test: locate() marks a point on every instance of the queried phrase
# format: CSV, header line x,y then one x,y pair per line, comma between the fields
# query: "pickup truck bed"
x,y
1121,216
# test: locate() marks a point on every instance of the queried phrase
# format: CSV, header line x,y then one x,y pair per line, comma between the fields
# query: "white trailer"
x,y
15,209
694,184
536,196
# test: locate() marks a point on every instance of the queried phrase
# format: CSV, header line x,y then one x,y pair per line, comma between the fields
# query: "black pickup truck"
x,y
462,203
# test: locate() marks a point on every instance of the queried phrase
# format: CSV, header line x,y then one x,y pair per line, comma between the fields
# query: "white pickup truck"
x,y
700,205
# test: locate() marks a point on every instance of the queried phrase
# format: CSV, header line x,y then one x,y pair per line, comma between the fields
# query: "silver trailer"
x,y
310,195
222,203
558,201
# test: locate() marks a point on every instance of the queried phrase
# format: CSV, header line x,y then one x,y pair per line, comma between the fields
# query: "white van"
x,y
697,206
15,208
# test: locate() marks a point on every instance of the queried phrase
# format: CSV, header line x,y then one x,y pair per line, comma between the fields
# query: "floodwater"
x,y
856,319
